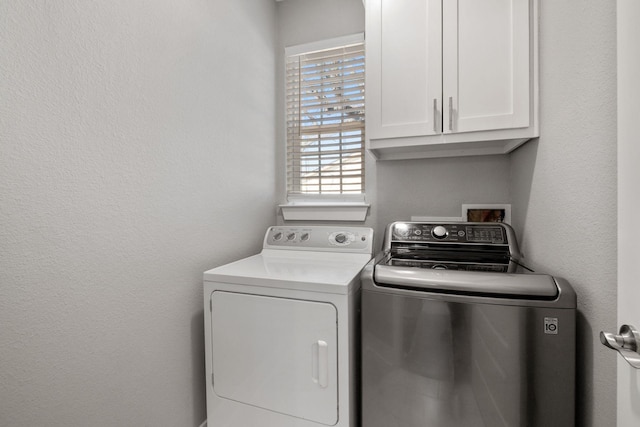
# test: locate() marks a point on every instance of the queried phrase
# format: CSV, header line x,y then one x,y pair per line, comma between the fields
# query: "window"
x,y
325,118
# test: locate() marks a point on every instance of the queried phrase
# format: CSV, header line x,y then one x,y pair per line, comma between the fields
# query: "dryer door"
x,y
278,354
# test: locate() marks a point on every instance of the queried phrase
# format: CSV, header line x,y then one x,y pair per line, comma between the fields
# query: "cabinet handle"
x,y
451,113
435,115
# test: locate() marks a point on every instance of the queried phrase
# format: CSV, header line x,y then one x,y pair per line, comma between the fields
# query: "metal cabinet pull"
x,y
435,115
627,343
451,113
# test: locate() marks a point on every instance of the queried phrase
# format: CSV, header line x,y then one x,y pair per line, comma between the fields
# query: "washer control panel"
x,y
449,232
320,238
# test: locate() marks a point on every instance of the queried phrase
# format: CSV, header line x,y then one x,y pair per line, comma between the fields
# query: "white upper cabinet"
x,y
450,77
402,81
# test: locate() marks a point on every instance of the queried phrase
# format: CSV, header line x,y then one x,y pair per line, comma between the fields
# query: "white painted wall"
x,y
439,187
127,130
564,185
305,21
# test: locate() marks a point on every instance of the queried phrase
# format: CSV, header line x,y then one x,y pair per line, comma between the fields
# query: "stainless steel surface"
x,y
452,363
627,343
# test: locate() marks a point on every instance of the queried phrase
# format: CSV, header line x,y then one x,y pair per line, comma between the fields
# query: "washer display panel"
x,y
278,354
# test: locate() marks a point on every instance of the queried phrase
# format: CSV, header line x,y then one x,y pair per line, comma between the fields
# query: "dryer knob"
x,y
340,238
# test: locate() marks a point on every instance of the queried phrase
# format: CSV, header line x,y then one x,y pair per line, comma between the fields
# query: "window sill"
x,y
324,211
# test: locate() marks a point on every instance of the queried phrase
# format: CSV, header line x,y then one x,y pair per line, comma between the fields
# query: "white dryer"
x,y
280,330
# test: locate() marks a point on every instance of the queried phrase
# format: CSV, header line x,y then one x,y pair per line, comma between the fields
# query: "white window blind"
x,y
325,121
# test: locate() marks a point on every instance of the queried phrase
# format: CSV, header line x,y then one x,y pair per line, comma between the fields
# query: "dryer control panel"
x,y
320,238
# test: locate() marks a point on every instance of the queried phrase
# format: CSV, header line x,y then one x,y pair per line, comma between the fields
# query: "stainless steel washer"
x,y
454,334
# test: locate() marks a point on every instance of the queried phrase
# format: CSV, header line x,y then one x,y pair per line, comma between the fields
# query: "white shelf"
x,y
325,211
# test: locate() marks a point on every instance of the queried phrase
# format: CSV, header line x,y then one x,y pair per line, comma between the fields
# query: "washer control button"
x,y
439,232
291,236
340,238
277,236
304,237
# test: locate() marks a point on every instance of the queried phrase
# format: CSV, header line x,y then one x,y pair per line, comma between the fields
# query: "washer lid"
x,y
536,286
309,271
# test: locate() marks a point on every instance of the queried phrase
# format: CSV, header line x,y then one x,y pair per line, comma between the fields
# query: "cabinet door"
x,y
277,354
404,68
486,56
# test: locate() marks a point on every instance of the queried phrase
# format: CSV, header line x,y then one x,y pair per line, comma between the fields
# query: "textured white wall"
x,y
439,187
306,21
127,133
564,185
